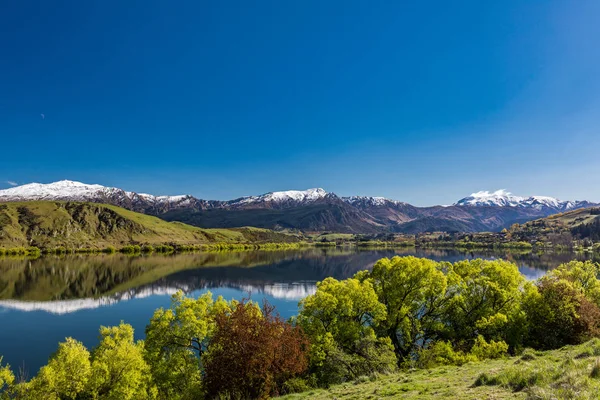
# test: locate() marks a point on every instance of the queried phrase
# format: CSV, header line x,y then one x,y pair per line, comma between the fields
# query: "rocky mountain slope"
x,y
312,209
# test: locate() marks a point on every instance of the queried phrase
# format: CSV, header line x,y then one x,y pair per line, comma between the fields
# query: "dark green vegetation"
x,y
88,227
407,314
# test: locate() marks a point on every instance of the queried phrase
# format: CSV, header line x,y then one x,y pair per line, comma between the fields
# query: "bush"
x,y
109,250
58,250
147,248
484,350
131,249
164,248
367,356
253,354
33,251
442,353
559,314
17,251
295,385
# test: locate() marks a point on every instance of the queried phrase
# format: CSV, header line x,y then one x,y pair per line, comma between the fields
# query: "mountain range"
x,y
312,209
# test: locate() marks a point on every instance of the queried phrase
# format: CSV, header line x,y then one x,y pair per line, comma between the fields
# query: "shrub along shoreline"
x,y
407,313
166,248
169,248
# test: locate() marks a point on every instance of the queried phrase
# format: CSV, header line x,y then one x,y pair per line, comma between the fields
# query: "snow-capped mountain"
x,y
67,190
75,191
288,197
370,201
503,198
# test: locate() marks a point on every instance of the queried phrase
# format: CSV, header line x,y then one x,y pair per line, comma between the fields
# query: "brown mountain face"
x,y
336,215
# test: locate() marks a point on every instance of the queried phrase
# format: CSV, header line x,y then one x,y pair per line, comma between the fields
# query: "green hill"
x,y
572,372
47,224
580,223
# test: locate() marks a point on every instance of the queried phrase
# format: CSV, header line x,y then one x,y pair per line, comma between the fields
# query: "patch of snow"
x,y
299,196
373,201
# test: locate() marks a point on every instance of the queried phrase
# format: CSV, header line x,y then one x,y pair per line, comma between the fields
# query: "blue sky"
x,y
424,102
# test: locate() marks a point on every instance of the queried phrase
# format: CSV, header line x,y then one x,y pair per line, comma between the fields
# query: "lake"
x,y
44,300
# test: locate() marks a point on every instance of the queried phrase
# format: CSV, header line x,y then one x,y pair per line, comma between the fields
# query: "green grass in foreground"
x,y
572,372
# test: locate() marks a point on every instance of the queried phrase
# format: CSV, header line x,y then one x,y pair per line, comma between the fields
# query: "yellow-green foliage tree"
x,y
486,298
176,339
115,370
584,277
118,368
7,379
415,294
340,319
67,374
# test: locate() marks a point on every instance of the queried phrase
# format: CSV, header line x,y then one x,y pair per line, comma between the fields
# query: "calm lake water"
x,y
43,301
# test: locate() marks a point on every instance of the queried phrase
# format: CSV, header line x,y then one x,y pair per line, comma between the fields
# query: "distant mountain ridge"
x,y
313,209
502,198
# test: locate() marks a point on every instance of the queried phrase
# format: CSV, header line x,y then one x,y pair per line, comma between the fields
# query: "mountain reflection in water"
x,y
66,284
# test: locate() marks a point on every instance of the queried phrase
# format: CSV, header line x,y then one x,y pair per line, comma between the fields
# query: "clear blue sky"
x,y
424,102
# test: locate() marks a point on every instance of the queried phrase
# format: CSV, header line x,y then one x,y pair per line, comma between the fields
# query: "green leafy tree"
x,y
486,298
7,379
66,375
118,368
339,320
583,275
558,314
176,338
415,293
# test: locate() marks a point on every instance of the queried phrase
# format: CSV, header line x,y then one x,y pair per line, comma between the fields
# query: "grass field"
x,y
572,372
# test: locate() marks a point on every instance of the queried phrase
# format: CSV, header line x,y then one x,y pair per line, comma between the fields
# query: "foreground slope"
x,y
78,224
572,372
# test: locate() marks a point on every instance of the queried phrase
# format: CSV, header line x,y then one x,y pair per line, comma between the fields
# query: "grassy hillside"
x,y
47,224
572,372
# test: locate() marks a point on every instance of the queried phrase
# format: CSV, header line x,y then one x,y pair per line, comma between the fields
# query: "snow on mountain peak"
x,y
75,191
504,198
308,195
60,189
369,200
500,197
297,195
